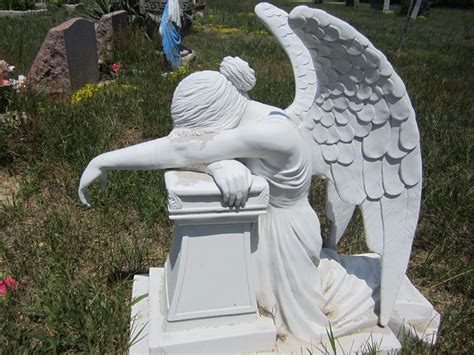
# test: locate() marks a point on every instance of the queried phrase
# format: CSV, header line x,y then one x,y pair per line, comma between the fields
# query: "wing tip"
x,y
304,11
301,10
262,6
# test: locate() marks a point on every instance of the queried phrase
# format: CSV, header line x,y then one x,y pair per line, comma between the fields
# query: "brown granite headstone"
x,y
67,59
108,26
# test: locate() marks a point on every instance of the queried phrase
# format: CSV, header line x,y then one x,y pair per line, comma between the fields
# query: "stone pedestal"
x,y
204,299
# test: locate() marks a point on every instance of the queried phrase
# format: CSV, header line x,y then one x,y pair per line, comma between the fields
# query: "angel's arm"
x,y
263,139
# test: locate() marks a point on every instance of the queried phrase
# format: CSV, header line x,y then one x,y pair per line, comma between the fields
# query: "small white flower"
x,y
20,83
4,66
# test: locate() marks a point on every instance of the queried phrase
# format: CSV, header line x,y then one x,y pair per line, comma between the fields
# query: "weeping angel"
x,y
352,123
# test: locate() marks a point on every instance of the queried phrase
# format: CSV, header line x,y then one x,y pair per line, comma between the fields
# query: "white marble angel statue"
x,y
352,123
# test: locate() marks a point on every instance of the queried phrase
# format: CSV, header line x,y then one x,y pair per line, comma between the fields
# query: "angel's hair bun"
x,y
238,73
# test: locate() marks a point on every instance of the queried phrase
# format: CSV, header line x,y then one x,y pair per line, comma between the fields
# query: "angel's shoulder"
x,y
277,123
273,131
281,119
280,115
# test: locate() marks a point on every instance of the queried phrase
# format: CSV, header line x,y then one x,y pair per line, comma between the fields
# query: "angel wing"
x,y
354,110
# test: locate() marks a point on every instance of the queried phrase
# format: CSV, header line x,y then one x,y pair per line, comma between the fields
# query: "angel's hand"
x,y
91,173
233,179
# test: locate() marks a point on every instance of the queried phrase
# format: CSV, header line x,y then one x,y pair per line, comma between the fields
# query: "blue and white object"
x,y
170,33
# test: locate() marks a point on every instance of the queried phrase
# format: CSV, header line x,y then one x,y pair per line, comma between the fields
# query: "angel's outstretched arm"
x,y
271,141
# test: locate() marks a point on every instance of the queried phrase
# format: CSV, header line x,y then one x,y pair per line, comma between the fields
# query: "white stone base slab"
x,y
363,342
234,339
414,316
139,318
240,338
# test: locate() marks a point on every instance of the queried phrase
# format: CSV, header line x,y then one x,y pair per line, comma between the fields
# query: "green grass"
x,y
76,264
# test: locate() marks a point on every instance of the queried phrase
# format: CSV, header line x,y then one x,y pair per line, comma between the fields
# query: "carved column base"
x,y
148,337
204,299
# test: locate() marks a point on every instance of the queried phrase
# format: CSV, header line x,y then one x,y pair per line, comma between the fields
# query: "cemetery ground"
x,y
74,265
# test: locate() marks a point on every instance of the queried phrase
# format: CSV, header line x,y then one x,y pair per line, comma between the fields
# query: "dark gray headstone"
x,y
108,26
420,8
383,5
376,4
352,3
425,8
67,59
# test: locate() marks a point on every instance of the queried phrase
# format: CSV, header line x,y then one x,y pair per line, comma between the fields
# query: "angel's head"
x,y
211,101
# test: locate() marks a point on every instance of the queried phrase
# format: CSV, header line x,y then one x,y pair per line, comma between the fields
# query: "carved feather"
x,y
373,178
394,150
373,225
409,136
400,216
410,168
338,211
392,183
351,193
376,143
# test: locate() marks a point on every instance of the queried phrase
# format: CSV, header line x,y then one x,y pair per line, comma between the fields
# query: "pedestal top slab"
x,y
190,183
196,195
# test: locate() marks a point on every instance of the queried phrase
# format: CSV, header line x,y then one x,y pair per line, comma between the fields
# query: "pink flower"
x,y
115,68
7,284
5,82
